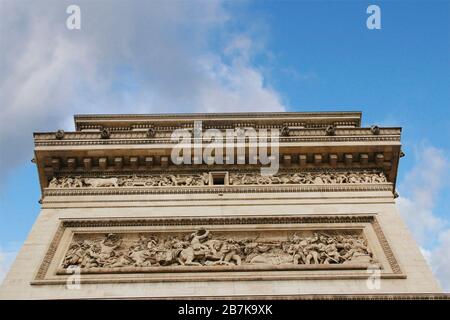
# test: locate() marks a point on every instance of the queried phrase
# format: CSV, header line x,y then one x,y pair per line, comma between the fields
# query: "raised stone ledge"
x,y
216,190
95,140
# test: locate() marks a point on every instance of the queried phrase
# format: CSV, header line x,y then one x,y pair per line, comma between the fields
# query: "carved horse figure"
x,y
177,180
102,182
195,250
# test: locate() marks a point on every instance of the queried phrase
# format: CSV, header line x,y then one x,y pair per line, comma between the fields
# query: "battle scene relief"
x,y
216,249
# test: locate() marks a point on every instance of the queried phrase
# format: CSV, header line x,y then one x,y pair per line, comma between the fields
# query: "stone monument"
x,y
259,205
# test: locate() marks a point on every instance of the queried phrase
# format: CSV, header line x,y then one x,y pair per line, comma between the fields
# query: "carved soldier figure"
x,y
196,248
229,252
379,178
121,260
91,257
164,181
318,180
188,180
237,179
263,180
54,183
331,252
107,248
295,248
309,178
74,255
140,256
352,178
296,178
77,182
205,179
311,249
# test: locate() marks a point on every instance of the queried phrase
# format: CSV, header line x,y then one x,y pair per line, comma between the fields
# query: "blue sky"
x,y
231,56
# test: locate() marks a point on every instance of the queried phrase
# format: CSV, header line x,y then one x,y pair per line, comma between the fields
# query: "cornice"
x,y
353,118
142,143
169,142
140,137
216,190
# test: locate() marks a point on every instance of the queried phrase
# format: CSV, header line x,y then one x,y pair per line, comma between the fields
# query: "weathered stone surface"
x,y
203,248
263,234
249,178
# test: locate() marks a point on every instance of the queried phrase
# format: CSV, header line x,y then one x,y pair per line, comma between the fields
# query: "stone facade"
x,y
120,219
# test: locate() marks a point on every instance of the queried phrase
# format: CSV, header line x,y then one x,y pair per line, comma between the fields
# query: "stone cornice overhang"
x,y
349,118
54,160
133,151
47,139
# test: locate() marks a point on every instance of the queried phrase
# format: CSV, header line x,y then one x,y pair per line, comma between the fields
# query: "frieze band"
x,y
205,179
114,252
212,248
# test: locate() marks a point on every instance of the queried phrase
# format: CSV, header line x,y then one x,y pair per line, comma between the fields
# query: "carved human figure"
x,y
352,178
201,248
107,248
204,179
140,256
229,251
74,255
54,183
366,177
164,181
317,178
309,178
264,180
331,253
311,249
91,257
195,249
297,178
379,178
121,260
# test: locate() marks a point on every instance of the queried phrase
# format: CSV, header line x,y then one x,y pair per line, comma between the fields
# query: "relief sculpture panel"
x,y
236,179
218,248
203,248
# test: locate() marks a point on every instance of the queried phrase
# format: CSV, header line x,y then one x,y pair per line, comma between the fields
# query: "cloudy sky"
x,y
208,56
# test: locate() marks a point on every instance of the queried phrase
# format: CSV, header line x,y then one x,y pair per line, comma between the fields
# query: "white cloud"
x,y
439,260
422,187
152,56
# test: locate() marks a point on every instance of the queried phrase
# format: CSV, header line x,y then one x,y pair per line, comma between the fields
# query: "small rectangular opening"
x,y
219,178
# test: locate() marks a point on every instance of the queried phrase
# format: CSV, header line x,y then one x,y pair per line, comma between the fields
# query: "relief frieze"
x,y
236,179
209,250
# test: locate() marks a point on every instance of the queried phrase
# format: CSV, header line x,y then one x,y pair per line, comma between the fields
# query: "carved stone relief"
x,y
251,178
204,248
226,248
